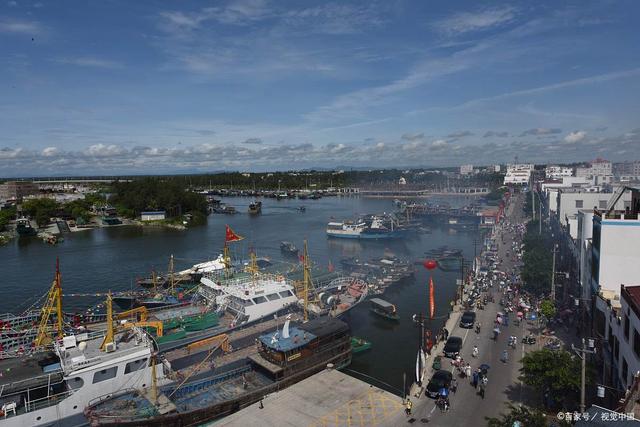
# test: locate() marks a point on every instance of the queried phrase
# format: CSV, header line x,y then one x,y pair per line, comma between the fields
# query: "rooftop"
x,y
297,338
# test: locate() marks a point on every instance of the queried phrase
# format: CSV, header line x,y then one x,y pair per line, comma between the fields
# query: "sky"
x,y
132,87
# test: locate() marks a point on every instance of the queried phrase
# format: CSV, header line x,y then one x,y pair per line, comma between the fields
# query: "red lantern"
x,y
430,264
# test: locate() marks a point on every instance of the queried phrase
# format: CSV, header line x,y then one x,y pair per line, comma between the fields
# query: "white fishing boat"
x,y
249,297
53,388
216,265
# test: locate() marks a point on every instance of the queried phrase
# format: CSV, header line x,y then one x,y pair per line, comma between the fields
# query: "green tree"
x,y
525,416
41,209
553,372
6,215
548,309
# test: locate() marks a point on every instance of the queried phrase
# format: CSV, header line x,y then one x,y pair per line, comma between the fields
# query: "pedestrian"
x,y
407,409
475,379
467,370
446,333
505,356
454,385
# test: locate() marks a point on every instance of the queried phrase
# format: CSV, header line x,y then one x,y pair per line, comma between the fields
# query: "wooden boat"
x,y
359,345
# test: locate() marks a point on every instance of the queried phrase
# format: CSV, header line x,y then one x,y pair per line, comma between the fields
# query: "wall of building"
x,y
617,252
569,203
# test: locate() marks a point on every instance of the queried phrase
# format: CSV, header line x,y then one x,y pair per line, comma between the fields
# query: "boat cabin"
x,y
382,305
282,352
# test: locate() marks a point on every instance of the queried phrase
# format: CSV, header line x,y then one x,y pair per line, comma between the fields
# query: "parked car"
x,y
468,319
452,347
441,379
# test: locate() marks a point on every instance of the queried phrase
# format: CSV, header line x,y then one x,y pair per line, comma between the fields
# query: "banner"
x,y
432,302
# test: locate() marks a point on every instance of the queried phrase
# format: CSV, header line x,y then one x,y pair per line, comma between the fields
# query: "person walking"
x,y
475,351
505,356
408,406
475,379
467,370
454,385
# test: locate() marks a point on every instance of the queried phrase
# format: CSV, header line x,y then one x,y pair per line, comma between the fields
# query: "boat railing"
x,y
105,397
203,384
47,401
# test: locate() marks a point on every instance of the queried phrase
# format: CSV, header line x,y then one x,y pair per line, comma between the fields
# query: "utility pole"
x,y
553,274
582,354
533,204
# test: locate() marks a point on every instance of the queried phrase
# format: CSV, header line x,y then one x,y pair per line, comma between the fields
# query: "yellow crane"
x,y
109,337
141,314
156,324
53,303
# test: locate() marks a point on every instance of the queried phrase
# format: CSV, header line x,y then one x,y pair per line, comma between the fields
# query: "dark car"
x,y
452,347
468,319
441,379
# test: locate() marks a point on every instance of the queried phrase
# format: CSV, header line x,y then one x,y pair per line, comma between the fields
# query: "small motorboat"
x,y
384,308
289,248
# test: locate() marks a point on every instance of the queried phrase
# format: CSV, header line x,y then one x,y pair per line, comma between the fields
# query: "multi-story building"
x,y
571,200
627,171
518,174
601,167
557,172
17,190
466,169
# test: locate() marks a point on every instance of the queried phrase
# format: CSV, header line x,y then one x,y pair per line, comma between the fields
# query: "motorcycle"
x,y
477,329
529,339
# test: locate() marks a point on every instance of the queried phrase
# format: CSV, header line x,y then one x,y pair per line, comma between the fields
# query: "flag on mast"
x,y
230,236
432,302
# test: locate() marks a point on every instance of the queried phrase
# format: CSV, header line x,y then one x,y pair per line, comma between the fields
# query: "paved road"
x,y
467,407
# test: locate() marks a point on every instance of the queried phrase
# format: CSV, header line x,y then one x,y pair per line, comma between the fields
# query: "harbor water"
x,y
99,260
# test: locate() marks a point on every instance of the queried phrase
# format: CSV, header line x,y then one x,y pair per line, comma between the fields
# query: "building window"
x,y
616,347
636,342
579,204
602,204
626,327
105,374
625,370
136,365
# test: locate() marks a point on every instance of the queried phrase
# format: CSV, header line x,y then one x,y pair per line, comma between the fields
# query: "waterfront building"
x,y
466,169
571,200
17,190
518,174
153,216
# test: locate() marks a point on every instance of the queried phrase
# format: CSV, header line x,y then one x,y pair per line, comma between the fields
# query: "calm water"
x,y
111,259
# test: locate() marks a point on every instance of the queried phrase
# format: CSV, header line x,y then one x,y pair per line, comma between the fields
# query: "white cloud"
x,y
103,150
465,22
20,27
50,151
12,3
93,62
575,136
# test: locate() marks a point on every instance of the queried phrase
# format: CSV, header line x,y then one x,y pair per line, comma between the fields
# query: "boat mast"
x,y
54,300
154,381
306,278
171,282
108,338
226,260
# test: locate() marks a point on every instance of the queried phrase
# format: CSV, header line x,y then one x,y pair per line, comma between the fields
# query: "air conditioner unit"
x,y
110,347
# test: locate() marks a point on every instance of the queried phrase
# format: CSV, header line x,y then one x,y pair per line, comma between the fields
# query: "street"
x,y
466,406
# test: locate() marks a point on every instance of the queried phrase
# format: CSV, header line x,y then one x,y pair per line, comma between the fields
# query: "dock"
x,y
329,398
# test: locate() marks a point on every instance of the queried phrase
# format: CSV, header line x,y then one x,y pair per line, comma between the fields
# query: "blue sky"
x,y
168,87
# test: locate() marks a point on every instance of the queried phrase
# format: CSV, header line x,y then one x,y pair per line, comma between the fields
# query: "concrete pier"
x,y
329,398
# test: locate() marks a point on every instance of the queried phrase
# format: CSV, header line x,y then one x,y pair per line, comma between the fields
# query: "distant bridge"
x,y
467,191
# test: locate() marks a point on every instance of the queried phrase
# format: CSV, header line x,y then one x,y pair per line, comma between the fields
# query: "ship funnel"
x,y
285,329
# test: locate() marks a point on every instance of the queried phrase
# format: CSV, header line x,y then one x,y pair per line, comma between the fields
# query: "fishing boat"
x,y
24,227
359,345
449,263
54,387
338,296
248,296
255,208
384,309
283,358
373,227
289,248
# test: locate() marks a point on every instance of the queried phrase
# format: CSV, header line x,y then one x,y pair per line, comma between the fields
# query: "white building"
x,y
557,172
583,244
153,216
570,201
402,181
466,169
518,174
601,167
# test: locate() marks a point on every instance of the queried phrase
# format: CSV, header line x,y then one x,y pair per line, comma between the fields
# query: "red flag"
x,y
301,258
230,236
432,302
